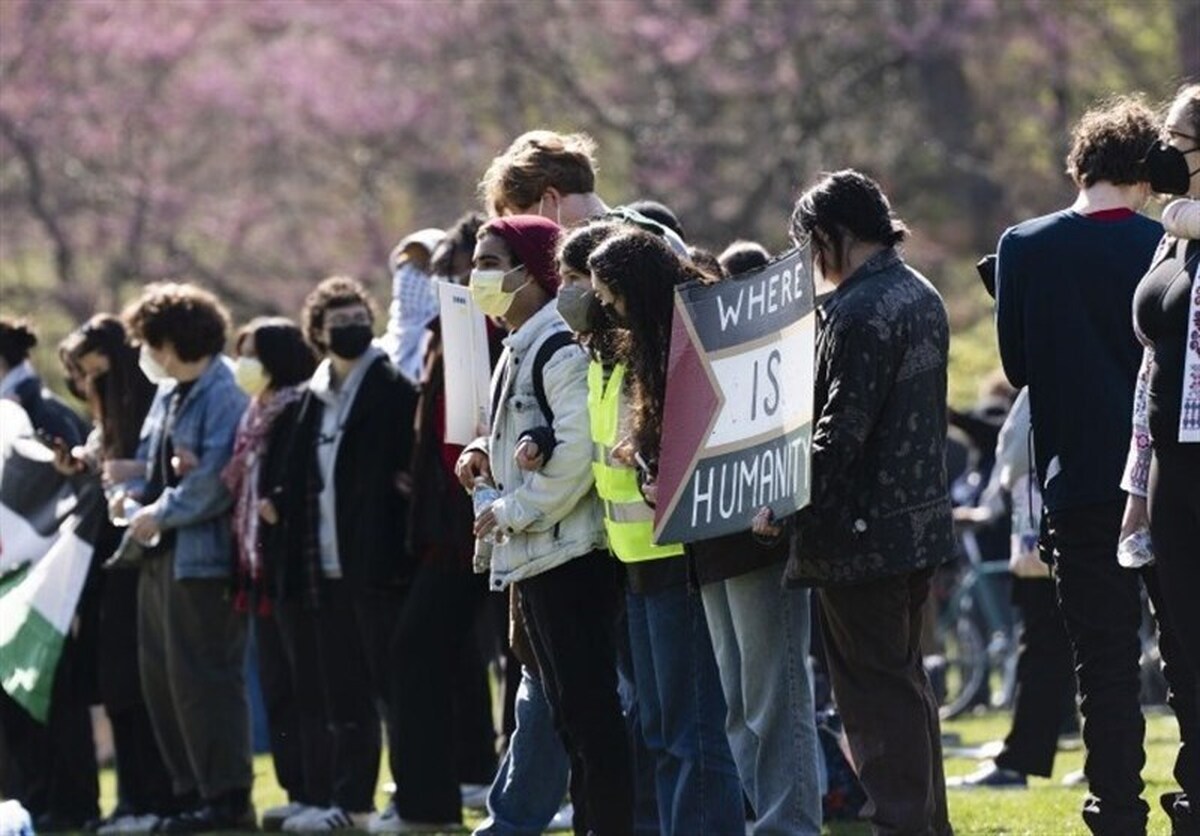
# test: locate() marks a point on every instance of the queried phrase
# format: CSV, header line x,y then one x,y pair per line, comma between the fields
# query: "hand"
x,y
471,465
144,527
764,524
484,524
528,455
650,492
66,462
183,462
403,482
1135,515
267,512
116,506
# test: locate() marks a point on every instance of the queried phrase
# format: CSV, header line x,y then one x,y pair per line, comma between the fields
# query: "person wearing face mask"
x,y
1162,473
272,363
414,302
191,643
1065,284
341,499
549,539
106,364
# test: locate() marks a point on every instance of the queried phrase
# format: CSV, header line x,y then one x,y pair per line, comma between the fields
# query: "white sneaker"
x,y
274,817
302,821
475,796
131,823
334,818
563,819
385,821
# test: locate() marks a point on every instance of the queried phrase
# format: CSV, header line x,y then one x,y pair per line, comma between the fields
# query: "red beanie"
x,y
532,240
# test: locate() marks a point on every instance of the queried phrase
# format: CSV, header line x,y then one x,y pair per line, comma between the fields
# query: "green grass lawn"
x,y
1045,809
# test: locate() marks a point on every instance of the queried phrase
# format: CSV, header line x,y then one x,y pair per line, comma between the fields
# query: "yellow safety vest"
x,y
628,520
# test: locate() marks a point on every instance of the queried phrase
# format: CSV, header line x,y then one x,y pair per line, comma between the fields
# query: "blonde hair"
x,y
534,162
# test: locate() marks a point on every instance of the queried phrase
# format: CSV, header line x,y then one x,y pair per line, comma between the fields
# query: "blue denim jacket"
x,y
198,507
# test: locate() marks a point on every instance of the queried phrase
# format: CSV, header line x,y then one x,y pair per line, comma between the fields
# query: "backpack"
x,y
548,348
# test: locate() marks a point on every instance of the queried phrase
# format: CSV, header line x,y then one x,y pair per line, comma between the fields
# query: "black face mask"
x,y
350,341
1167,169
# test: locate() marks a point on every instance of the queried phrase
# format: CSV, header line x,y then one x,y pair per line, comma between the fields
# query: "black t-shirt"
x,y
162,475
1160,310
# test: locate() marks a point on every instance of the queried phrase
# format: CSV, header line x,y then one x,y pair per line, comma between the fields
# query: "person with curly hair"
x,y
1064,288
191,642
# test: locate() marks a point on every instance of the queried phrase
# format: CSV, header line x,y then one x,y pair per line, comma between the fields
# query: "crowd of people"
x,y
302,490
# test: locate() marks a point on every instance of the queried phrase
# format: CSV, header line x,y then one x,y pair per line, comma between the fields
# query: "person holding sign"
x,y
546,524
682,706
879,520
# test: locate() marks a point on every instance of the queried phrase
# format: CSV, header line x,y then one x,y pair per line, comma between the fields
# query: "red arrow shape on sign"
x,y
692,403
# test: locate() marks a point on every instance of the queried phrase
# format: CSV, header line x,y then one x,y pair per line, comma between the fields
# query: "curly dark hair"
x,y
17,339
642,270
334,292
845,205
188,317
280,346
1110,141
743,256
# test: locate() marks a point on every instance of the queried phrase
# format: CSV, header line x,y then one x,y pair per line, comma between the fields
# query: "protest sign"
x,y
467,365
738,417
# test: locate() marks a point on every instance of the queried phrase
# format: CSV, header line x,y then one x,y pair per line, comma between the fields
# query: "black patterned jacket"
x,y
880,505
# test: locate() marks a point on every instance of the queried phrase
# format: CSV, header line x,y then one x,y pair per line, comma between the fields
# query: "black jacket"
x,y
880,505
49,414
372,514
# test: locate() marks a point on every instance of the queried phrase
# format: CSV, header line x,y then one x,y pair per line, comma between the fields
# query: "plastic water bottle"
x,y
1136,550
482,498
129,507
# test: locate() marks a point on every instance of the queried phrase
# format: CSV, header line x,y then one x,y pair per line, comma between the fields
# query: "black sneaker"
x,y
1185,821
218,815
991,777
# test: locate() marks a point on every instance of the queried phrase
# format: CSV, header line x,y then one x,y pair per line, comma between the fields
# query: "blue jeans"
x,y
682,714
531,783
760,635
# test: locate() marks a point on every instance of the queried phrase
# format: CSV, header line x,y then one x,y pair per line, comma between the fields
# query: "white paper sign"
x,y
468,368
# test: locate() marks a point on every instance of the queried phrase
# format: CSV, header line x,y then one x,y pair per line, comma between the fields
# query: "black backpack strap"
x,y
546,350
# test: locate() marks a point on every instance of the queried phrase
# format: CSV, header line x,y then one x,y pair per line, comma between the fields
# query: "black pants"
x,y
290,675
52,768
192,658
436,625
1174,507
570,613
143,782
872,635
1101,605
1045,696
354,629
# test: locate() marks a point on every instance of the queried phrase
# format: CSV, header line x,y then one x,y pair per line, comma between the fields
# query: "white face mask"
x,y
250,375
151,368
487,289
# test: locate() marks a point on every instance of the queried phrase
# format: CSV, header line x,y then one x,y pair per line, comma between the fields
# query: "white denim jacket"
x,y
551,515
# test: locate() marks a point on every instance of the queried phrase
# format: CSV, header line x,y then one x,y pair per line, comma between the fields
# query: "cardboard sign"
x,y
737,424
467,367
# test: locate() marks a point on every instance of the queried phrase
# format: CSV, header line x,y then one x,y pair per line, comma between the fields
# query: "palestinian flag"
x,y
48,527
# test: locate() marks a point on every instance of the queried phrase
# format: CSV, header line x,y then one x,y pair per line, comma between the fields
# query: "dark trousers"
x,y
290,675
1101,605
872,635
1045,696
192,658
143,782
474,726
53,766
352,703
1174,508
570,614
436,624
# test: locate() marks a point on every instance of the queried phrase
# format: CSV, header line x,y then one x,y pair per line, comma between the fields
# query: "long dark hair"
x,y
123,394
279,344
642,270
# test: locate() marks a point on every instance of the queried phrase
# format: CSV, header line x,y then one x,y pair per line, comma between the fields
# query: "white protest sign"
x,y
466,362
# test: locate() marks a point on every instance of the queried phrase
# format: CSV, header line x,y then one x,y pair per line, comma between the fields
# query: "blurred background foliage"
x,y
256,147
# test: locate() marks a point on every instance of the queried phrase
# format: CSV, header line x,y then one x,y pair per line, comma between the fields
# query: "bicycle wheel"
x,y
964,665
